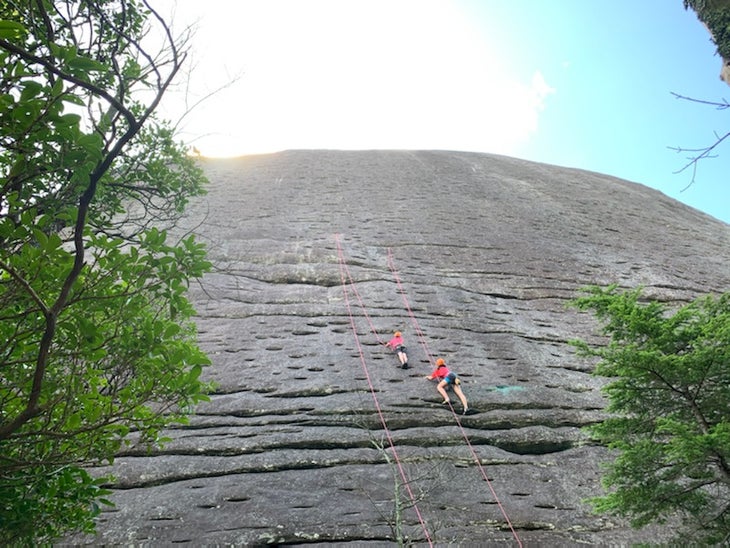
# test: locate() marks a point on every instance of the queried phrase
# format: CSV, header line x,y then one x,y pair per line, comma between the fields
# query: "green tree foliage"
x,y
97,343
715,14
669,405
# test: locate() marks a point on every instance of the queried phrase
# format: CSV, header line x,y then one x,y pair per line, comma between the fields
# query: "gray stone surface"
x,y
486,251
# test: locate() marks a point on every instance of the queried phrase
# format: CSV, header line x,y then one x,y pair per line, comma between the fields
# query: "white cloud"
x,y
355,75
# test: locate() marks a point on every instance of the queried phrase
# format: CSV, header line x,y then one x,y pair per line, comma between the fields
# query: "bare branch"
x,y
719,105
703,153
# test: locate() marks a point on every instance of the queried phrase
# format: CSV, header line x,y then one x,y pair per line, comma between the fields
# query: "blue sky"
x,y
614,66
578,83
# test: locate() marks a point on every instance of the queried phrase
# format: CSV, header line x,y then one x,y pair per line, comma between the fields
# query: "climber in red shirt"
x,y
397,346
448,378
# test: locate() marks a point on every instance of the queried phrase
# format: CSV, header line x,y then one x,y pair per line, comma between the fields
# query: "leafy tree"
x,y
97,343
669,402
715,15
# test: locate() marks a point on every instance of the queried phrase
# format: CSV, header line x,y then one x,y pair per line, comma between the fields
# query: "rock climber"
x,y
448,378
397,346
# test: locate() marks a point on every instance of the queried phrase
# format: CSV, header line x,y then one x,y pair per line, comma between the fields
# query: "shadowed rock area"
x,y
473,257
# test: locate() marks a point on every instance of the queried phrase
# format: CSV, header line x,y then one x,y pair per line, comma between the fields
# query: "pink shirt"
x,y
440,372
395,342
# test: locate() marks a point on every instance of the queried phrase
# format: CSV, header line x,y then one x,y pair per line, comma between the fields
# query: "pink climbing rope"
x,y
386,430
357,294
421,336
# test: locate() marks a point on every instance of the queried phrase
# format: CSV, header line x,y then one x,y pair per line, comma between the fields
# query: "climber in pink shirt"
x,y
397,346
448,378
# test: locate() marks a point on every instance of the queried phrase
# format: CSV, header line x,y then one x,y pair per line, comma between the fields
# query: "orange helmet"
x,y
440,362
397,334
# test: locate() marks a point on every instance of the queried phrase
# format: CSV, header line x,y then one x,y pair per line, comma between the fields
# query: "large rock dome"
x,y
314,431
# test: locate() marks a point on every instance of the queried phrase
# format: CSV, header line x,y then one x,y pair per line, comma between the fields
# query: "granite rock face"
x,y
314,431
